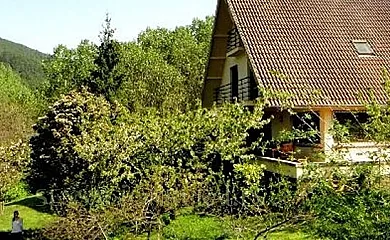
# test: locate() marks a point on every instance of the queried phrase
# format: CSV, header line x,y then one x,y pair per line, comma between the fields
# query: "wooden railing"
x,y
233,40
246,90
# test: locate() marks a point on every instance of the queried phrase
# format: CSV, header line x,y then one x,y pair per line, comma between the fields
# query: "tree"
x,y
163,69
68,69
19,106
75,149
105,80
186,49
148,81
379,120
13,163
90,66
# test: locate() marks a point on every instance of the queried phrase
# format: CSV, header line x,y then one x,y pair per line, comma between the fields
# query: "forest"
x,y
113,136
24,61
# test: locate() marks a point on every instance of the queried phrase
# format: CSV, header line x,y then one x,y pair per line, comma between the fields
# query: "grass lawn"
x,y
193,227
186,227
34,216
290,234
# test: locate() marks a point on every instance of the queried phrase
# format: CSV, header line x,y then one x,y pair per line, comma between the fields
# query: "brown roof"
x,y
310,42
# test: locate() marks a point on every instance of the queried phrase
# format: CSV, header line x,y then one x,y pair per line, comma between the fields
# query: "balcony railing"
x,y
245,90
234,41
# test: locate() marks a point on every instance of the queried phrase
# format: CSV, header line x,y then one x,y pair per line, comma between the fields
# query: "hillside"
x,y
25,61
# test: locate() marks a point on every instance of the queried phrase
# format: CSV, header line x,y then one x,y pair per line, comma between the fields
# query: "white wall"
x,y
361,151
241,61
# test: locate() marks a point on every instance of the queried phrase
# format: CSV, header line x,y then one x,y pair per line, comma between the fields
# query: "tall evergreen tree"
x,y
104,79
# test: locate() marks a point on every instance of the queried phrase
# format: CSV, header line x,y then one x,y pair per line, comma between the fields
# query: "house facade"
x,y
327,56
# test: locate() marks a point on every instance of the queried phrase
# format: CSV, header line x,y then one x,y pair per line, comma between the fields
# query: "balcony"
x,y
234,45
244,90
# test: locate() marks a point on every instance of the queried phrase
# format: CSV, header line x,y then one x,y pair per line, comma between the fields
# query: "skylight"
x,y
363,48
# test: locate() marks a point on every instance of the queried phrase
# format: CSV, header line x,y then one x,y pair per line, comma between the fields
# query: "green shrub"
x,y
13,165
350,205
96,151
360,216
18,191
76,149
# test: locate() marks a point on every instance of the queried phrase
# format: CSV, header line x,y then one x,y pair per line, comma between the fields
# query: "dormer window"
x,y
363,48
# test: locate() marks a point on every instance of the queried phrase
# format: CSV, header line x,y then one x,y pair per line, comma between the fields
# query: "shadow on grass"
x,y
34,202
27,235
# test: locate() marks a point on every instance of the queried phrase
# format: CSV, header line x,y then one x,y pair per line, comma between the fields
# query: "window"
x,y
306,126
363,48
351,126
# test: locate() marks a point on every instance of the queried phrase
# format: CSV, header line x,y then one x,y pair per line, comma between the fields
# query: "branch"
x,y
101,229
268,229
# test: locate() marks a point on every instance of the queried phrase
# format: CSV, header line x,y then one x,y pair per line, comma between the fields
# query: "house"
x,y
334,48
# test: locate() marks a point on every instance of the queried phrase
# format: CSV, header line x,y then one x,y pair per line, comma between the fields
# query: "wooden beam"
x,y
221,36
217,58
214,78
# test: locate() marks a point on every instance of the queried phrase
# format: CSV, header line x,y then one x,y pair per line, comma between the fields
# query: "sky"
x,y
44,24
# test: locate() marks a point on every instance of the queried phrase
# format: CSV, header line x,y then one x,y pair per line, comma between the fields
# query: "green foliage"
x,y
18,191
19,106
163,69
76,148
23,60
340,132
13,90
251,175
377,127
68,69
105,80
350,205
96,152
148,81
13,164
184,48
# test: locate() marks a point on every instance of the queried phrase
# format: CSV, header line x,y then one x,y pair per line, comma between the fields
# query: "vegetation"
x,y
150,72
68,68
17,103
104,79
202,227
13,163
124,151
24,61
61,160
360,211
19,109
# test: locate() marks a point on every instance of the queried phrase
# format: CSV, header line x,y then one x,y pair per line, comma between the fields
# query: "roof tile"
x,y
310,41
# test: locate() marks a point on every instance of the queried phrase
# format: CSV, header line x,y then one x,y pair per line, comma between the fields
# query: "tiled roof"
x,y
310,42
